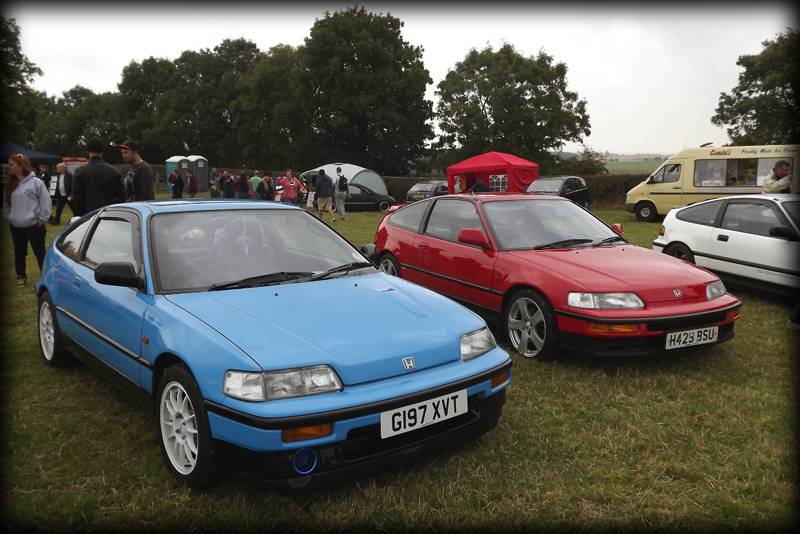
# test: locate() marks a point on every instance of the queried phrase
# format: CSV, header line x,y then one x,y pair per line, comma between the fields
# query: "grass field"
x,y
634,166
698,440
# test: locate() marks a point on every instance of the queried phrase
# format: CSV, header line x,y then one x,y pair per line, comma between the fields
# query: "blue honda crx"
x,y
265,342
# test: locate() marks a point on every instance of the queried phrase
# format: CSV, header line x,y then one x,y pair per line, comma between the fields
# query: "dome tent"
x,y
354,174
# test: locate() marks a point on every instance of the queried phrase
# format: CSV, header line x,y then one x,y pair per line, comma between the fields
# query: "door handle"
x,y
678,187
424,246
722,237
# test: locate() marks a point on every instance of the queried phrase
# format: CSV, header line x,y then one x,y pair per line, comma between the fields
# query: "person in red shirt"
x,y
292,188
192,185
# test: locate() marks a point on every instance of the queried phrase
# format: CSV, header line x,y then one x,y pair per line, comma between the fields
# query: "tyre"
x,y
51,344
680,251
529,323
185,435
646,211
389,264
383,205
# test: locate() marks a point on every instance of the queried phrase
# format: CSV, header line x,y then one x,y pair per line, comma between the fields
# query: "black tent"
x,y
36,157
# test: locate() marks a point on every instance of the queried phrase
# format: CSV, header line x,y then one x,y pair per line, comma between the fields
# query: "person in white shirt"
x,y
778,180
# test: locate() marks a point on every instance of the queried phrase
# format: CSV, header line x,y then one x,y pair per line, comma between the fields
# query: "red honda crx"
x,y
552,275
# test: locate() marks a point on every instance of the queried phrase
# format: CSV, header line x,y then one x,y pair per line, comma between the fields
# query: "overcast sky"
x,y
651,76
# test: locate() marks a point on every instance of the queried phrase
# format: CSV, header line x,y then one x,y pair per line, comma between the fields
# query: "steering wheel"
x,y
215,263
244,241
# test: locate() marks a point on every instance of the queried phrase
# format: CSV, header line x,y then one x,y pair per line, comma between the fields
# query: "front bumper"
x,y
364,452
631,346
355,446
630,206
651,337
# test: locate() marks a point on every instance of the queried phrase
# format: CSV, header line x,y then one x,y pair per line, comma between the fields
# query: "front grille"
x,y
698,321
366,441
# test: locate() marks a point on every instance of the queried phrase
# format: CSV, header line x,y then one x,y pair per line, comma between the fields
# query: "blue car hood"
x,y
363,326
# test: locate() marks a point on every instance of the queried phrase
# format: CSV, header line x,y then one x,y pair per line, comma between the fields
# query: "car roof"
x,y
783,197
177,206
494,196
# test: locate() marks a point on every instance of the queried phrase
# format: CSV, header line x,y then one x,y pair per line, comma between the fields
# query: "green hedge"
x,y
606,190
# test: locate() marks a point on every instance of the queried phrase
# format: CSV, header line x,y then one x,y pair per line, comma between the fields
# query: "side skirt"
x,y
133,390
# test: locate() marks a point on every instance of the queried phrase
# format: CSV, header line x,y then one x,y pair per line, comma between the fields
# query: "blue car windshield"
x,y
196,250
527,224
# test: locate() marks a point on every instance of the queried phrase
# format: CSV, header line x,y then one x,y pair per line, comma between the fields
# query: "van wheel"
x,y
680,251
646,211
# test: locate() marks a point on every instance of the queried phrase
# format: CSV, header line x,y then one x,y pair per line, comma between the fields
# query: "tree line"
x,y
354,91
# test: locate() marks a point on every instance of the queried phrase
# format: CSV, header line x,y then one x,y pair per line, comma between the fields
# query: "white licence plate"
x,y
687,338
422,414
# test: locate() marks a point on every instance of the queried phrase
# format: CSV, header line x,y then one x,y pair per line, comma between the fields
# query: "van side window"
x,y
765,166
733,172
669,173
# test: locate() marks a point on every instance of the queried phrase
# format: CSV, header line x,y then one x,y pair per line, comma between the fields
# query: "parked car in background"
x,y
751,239
426,190
573,188
554,276
365,199
218,316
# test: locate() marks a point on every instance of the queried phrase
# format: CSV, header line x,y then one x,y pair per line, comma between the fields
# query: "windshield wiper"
x,y
563,243
609,240
262,279
341,268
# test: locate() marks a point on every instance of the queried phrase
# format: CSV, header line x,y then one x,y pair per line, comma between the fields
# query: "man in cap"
x,y
97,183
139,180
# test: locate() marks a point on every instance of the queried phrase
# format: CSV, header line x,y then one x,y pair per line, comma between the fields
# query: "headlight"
x,y
476,343
715,289
604,301
245,386
301,381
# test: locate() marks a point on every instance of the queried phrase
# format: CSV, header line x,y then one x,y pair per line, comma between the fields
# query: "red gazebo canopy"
x,y
519,171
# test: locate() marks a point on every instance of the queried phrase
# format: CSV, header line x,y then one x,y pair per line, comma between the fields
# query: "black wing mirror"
x,y
118,273
783,232
369,251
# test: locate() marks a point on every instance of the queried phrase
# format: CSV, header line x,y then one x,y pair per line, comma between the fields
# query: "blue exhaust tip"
x,y
305,461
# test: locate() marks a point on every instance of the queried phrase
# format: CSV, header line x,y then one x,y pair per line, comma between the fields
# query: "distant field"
x,y
633,166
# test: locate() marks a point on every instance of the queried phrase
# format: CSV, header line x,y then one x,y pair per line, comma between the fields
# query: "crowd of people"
x,y
33,199
29,198
318,192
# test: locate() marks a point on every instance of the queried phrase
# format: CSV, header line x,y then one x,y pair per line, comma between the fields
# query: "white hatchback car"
x,y
750,239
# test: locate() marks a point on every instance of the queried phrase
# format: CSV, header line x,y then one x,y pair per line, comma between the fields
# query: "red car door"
x,y
460,271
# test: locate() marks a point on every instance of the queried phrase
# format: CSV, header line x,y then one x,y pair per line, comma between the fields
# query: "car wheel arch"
x,y
162,362
511,291
675,244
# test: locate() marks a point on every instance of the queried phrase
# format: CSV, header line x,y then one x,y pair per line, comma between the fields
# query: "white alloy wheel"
x,y
527,329
47,330
179,428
